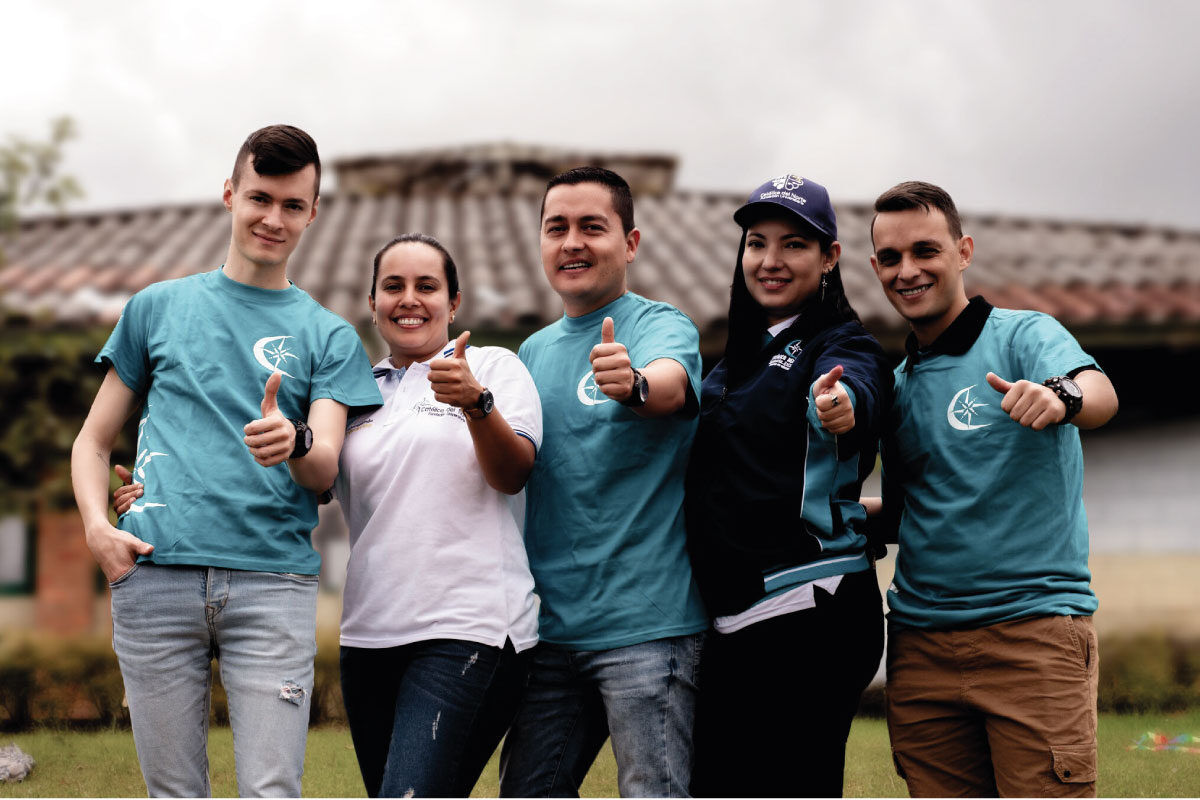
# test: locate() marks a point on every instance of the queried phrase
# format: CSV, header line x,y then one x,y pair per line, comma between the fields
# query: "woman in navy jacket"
x,y
789,427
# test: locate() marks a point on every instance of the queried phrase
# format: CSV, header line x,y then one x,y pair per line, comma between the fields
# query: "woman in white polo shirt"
x,y
439,610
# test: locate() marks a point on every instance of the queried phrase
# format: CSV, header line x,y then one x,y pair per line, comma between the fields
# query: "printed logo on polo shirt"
x,y
963,410
273,352
787,358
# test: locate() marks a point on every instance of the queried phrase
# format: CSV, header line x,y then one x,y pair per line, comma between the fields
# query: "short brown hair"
x,y
918,194
279,150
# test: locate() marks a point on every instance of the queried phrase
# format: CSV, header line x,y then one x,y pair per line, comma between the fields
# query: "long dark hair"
x,y
748,320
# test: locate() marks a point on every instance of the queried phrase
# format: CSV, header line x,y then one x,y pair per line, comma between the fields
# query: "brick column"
x,y
64,600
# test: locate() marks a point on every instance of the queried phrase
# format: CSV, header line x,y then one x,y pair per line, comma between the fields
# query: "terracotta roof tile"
x,y
83,267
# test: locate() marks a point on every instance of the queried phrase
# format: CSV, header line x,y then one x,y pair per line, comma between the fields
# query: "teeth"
x,y
575,265
913,291
409,320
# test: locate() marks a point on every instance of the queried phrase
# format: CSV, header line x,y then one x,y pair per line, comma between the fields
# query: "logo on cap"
x,y
788,182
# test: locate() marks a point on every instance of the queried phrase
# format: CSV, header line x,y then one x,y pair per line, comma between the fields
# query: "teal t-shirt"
x,y
604,523
200,350
993,526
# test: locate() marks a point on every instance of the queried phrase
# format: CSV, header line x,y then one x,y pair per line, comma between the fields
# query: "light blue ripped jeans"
x,y
168,624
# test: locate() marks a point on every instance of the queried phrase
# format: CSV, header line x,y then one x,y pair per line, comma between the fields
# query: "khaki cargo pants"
x,y
1006,710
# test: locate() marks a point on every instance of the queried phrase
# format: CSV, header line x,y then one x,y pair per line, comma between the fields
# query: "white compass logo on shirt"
x,y
272,352
963,409
589,393
144,456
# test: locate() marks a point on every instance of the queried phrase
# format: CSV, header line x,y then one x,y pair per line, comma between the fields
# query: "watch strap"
x,y
1073,401
641,391
303,438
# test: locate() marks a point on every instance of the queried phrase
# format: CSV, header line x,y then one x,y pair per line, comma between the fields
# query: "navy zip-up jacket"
x,y
772,498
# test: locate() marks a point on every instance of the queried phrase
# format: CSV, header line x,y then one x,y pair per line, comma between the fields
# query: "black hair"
x,y
278,150
426,239
748,319
622,197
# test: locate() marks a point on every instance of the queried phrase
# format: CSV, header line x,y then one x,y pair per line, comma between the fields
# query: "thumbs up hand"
x,y
834,409
271,438
453,382
1031,404
611,367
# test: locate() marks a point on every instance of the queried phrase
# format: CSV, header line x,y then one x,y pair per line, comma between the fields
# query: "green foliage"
x,y
47,383
29,175
78,682
1149,672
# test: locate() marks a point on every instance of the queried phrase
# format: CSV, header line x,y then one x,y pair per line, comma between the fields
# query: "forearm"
x,y
90,463
1099,399
318,469
668,384
505,456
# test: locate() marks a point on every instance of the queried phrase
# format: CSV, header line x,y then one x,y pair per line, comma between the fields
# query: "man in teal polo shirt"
x,y
992,663
621,620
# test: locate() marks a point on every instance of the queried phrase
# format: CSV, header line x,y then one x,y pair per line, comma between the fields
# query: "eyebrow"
x,y
265,193
753,234
395,276
584,219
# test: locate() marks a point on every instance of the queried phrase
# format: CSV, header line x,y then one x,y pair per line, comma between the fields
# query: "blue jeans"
x,y
168,624
643,695
426,717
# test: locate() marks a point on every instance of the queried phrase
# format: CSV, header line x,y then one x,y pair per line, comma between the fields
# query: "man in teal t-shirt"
x,y
621,619
992,663
237,372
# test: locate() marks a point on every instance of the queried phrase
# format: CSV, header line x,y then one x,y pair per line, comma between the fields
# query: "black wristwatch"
x,y
304,439
1069,392
641,391
484,406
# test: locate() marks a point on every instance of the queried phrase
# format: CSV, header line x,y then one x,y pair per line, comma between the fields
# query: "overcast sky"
x,y
1075,110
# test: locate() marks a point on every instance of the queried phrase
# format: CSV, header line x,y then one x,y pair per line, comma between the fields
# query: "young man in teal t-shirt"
x,y
621,620
992,663
237,372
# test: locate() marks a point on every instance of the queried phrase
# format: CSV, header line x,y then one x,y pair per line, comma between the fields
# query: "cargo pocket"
x,y
1074,763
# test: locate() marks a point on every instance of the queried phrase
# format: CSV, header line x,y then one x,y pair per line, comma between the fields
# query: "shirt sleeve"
x,y
512,388
127,350
666,332
1047,349
345,373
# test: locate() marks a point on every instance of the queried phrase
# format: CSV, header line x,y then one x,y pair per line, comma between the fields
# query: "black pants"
x,y
777,697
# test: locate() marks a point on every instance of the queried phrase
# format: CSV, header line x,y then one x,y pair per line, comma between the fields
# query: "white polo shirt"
x,y
435,553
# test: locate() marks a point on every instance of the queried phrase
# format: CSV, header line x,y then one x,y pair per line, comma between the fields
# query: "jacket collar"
x,y
956,339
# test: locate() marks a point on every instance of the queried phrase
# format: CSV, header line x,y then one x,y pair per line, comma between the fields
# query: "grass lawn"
x,y
73,764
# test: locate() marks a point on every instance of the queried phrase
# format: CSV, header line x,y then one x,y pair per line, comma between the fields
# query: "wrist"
x,y
304,439
483,406
638,393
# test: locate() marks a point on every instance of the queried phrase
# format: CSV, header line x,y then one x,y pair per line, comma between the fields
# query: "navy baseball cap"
x,y
804,198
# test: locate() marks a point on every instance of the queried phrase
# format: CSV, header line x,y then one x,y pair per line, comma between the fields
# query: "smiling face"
x,y
270,212
783,264
585,251
412,304
920,266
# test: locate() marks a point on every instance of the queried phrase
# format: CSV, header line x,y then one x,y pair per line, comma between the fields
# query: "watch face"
x,y
308,438
1071,387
